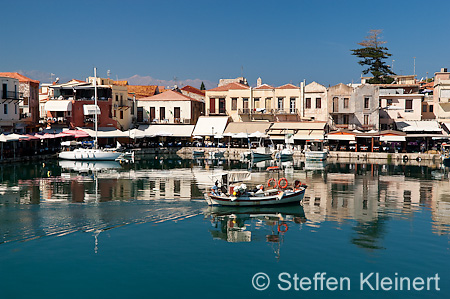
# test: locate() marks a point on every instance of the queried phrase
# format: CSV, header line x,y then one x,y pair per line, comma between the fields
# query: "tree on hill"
x,y
202,87
373,55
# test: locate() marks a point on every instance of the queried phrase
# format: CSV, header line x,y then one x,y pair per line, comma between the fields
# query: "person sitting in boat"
x,y
215,189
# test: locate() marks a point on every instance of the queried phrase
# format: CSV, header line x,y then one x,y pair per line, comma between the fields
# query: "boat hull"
x,y
286,197
261,156
316,155
89,155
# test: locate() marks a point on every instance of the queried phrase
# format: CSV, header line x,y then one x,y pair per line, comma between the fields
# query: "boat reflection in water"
x,y
247,224
87,166
315,165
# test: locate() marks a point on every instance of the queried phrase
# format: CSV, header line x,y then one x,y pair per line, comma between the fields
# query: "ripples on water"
x,y
58,198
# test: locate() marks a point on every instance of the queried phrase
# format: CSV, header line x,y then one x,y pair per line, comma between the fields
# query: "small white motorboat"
x,y
284,154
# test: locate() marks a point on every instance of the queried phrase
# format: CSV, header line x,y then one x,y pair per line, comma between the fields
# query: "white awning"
x,y
392,138
309,135
418,126
168,130
346,137
91,110
210,125
162,130
106,133
58,105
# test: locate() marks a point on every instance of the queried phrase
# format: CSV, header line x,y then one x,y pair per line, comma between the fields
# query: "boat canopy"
x,y
233,176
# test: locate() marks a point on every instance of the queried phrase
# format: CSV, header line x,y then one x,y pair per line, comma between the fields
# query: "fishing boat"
x,y
277,192
91,154
261,152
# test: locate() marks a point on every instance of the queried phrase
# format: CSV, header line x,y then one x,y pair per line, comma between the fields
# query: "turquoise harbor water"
x,y
144,231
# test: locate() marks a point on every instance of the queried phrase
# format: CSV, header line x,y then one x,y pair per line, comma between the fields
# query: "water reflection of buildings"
x,y
366,193
336,192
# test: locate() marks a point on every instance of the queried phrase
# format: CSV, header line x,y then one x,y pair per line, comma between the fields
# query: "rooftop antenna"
x,y
414,67
242,71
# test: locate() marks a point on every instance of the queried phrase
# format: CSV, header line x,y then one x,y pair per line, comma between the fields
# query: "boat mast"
x,y
95,106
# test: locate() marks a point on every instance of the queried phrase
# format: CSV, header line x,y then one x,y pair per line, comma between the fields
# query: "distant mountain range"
x,y
45,77
148,80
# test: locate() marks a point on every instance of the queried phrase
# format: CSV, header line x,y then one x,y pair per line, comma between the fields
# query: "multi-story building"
x,y
10,98
72,104
315,105
264,102
29,105
340,108
399,102
441,95
169,107
354,107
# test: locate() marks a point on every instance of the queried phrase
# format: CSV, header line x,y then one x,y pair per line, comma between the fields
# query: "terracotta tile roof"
x,y
288,86
229,86
265,86
142,91
170,95
120,83
18,76
396,85
189,88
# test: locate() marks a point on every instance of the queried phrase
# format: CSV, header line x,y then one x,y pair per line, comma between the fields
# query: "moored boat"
x,y
278,192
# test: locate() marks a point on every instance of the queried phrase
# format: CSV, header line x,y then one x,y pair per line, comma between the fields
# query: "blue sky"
x,y
279,41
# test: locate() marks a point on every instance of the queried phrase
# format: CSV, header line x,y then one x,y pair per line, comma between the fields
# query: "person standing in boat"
x,y
215,188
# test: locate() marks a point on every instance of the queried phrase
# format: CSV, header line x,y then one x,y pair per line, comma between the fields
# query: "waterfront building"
x,y
441,95
315,104
29,103
170,107
263,102
10,99
340,106
72,104
399,102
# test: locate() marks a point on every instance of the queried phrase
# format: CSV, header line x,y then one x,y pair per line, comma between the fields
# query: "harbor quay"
x,y
234,153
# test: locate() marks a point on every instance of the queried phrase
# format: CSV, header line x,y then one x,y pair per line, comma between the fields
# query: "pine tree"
x,y
373,54
202,87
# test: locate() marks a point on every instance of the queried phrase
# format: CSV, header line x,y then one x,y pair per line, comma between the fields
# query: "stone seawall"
x,y
235,153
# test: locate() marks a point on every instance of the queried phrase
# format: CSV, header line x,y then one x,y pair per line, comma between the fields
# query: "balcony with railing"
x,y
217,112
11,95
264,111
